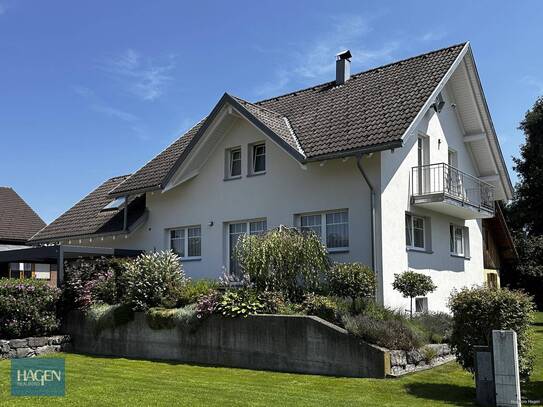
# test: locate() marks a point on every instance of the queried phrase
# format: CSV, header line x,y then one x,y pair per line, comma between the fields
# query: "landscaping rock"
x,y
413,357
42,350
18,343
4,346
24,352
398,358
409,368
29,347
37,342
58,339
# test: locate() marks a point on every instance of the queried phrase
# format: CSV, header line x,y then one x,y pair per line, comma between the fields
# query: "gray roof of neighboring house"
x,y
87,218
18,222
372,109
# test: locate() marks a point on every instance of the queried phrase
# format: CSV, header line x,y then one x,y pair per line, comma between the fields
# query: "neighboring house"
x,y
499,250
395,167
18,223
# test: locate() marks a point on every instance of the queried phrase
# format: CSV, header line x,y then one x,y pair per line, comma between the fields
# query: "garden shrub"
x,y
353,280
390,333
27,308
321,306
94,281
155,280
428,354
412,284
283,260
193,290
239,303
273,302
104,316
437,326
169,318
207,304
478,311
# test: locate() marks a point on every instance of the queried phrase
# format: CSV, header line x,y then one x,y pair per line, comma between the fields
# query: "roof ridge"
x,y
260,107
362,72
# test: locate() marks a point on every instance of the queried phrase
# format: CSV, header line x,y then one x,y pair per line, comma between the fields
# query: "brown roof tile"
x,y
18,222
372,108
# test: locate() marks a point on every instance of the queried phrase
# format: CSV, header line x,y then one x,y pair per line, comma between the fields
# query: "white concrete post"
x,y
506,373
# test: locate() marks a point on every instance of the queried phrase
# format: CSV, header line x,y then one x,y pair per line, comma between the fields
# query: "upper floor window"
x,y
459,240
414,231
186,242
234,162
258,158
331,227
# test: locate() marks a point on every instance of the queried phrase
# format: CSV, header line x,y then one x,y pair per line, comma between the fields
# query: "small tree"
x,y
412,284
283,260
354,280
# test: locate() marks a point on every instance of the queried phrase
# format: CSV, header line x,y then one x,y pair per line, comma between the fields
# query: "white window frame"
x,y
247,224
453,229
324,232
230,162
411,246
185,230
253,148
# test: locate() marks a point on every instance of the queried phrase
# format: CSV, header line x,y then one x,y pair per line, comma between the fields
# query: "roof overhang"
x,y
50,254
466,60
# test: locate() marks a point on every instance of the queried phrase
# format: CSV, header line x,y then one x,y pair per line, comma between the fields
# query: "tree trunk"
x,y
411,308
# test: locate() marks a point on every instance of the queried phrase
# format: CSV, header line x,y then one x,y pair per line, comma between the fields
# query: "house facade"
x,y
18,223
395,167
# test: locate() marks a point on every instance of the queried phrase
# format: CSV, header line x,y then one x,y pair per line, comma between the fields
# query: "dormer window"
x,y
115,204
258,158
234,163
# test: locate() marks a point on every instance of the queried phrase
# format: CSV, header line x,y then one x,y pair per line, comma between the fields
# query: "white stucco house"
x,y
395,167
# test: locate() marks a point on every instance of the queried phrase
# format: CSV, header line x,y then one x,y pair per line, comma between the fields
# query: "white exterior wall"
x,y
447,272
285,190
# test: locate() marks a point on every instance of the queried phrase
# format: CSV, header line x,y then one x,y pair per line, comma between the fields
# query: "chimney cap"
x,y
346,54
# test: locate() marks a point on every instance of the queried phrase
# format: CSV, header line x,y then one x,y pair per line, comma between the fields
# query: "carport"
x,y
58,254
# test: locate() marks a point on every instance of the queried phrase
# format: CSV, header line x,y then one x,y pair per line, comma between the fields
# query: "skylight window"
x,y
115,204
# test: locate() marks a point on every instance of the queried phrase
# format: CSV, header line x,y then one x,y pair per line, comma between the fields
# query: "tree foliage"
x,y
478,311
354,280
412,284
527,207
283,260
525,213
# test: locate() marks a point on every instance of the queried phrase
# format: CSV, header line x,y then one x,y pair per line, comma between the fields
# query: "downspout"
x,y
372,194
125,220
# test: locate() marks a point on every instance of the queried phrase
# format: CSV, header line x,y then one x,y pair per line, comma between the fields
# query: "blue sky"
x,y
91,90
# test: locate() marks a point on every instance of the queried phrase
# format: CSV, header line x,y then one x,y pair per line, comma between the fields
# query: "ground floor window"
x,y
238,229
421,304
459,240
186,242
414,231
331,227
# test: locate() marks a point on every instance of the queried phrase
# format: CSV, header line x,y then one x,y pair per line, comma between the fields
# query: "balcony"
x,y
445,189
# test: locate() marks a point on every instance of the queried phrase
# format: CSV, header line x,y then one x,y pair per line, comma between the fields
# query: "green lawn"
x,y
114,381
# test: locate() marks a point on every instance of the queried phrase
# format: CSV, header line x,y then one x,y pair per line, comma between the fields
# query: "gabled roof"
x,y
18,222
370,112
87,218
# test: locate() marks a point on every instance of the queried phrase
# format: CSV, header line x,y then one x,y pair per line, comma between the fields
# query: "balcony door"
x,y
423,161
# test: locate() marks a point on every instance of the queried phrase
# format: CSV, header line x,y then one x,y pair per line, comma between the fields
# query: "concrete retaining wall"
x,y
299,344
29,347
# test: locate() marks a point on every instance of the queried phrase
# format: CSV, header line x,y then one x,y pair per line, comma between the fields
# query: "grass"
x,y
115,381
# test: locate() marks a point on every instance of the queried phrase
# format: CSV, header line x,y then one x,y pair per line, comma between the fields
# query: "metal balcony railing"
x,y
444,179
